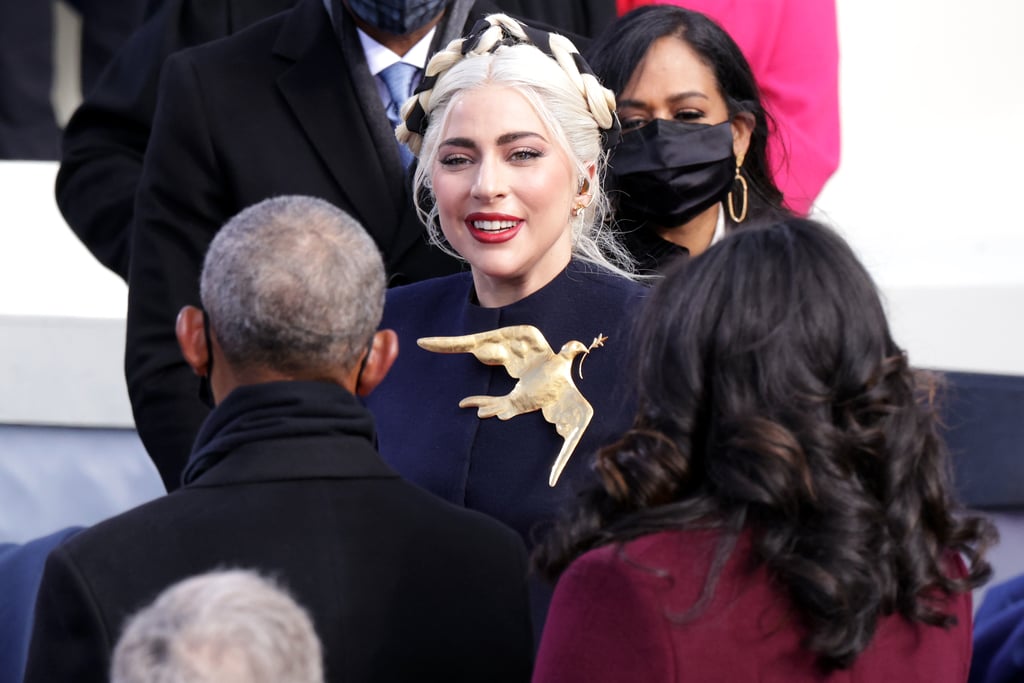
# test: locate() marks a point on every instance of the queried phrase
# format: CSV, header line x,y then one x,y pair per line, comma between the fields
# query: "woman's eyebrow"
x,y
639,104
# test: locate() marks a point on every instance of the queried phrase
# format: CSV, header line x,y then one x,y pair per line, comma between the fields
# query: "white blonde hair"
x,y
571,103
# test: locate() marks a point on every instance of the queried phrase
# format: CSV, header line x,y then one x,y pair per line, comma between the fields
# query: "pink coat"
x,y
793,49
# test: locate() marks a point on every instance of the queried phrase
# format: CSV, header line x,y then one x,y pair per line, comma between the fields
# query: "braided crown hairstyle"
x,y
546,69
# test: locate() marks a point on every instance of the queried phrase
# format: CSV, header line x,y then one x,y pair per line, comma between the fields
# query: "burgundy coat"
x,y
611,620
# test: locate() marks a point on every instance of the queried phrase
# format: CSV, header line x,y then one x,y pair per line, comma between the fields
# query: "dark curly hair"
x,y
773,400
618,51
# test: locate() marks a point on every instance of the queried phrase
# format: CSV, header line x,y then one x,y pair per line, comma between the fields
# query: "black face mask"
x,y
667,172
397,17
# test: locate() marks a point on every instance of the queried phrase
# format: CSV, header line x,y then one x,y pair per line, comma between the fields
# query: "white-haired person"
x,y
487,405
224,626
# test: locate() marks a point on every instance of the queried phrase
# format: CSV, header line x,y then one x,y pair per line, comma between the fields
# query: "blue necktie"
x,y
398,78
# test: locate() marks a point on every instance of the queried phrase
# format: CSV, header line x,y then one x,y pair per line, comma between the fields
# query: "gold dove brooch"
x,y
545,380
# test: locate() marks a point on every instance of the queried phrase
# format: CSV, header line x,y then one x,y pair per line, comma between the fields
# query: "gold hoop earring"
x,y
577,210
743,184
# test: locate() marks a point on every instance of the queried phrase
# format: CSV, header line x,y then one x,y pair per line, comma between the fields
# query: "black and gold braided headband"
x,y
416,120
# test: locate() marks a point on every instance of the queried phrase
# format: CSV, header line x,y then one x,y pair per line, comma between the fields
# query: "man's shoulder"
x,y
256,41
454,520
185,509
464,540
123,528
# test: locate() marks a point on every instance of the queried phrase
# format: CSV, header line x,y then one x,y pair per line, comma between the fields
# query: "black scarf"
x,y
275,410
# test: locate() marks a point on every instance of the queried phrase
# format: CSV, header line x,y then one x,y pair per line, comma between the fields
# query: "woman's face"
x,y
672,83
505,190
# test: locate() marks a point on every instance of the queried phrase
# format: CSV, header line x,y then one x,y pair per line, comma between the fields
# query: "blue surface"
x,y
21,568
984,417
999,635
55,477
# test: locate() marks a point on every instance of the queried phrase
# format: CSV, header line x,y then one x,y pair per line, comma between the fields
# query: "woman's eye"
x,y
454,160
689,115
524,155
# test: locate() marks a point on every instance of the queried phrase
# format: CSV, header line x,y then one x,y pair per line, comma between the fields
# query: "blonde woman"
x,y
511,131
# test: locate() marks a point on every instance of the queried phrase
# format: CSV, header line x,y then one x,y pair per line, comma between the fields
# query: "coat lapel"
x,y
320,91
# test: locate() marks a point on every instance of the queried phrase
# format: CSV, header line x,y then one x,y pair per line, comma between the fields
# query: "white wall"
x,y
61,313
928,187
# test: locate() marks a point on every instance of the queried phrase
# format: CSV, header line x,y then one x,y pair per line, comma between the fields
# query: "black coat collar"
x,y
285,430
322,457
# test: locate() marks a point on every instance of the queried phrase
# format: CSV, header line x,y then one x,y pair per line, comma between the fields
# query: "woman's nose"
x,y
490,181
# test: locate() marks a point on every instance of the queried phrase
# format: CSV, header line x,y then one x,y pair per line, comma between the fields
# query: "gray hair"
x,y
573,105
228,626
293,283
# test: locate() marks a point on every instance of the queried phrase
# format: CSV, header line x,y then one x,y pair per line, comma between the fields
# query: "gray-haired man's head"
x,y
293,284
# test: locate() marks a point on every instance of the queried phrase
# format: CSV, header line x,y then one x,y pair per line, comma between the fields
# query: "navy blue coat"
x,y
21,568
999,634
501,467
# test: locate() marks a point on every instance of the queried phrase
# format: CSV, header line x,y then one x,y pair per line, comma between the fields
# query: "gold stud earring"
x,y
584,200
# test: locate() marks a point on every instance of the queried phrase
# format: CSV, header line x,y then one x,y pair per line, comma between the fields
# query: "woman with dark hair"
x,y
781,508
693,162
793,49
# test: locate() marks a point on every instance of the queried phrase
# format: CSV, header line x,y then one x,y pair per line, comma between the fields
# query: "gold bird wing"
x,y
517,347
571,414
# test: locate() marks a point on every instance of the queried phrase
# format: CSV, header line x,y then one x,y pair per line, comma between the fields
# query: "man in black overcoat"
x,y
284,479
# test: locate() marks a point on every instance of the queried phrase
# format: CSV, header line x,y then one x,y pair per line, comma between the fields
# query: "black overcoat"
x,y
401,585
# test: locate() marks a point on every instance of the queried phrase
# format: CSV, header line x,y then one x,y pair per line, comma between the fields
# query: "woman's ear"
x,y
192,339
379,360
742,130
583,192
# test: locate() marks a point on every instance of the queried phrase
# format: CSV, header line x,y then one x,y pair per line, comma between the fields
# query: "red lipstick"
x,y
493,228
